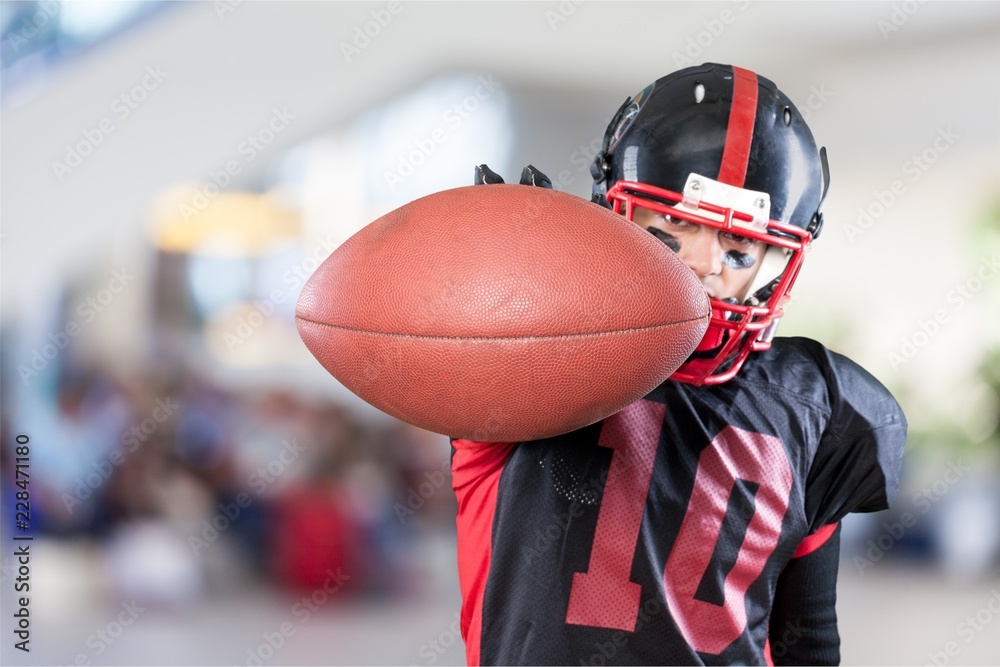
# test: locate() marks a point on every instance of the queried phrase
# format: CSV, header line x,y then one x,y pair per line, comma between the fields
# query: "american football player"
x,y
699,525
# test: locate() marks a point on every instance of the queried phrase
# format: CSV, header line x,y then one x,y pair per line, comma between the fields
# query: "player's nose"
x,y
702,253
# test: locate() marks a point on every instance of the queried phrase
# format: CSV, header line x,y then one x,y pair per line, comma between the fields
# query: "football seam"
x,y
528,337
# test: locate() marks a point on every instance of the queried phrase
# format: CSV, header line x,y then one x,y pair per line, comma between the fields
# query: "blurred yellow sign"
x,y
188,219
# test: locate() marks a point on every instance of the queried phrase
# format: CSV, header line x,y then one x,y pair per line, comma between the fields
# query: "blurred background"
x,y
202,492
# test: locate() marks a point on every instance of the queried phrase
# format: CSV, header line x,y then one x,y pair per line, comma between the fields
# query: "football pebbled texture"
x,y
502,313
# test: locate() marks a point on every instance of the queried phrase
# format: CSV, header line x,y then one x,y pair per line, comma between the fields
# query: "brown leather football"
x,y
502,313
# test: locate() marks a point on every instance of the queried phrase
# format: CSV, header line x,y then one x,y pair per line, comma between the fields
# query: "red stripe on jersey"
x,y
739,134
813,542
475,471
767,653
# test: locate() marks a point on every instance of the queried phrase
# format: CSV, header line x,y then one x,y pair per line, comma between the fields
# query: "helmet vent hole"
x,y
787,116
699,93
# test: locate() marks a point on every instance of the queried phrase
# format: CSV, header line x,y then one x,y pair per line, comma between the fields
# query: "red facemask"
x,y
735,330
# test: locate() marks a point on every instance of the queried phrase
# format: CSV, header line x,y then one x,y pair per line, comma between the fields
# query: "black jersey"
x,y
658,535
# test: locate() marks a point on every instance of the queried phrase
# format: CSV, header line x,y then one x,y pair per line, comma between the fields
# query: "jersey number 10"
x,y
604,596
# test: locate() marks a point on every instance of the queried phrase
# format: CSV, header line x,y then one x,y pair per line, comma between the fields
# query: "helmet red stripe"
x,y
739,133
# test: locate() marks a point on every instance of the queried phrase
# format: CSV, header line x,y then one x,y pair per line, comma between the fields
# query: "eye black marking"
x,y
735,259
669,240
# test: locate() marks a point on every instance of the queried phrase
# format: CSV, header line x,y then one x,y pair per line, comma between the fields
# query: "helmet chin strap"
x,y
771,267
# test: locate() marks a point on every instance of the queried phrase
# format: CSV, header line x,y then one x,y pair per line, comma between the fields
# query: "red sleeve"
x,y
813,542
476,468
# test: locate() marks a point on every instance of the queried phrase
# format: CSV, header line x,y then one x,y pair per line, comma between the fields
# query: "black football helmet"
x,y
719,146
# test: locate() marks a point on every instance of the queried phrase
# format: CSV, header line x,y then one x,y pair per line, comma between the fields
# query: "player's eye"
x,y
741,241
676,223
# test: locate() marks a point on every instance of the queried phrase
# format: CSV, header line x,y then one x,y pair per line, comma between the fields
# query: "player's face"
x,y
724,262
